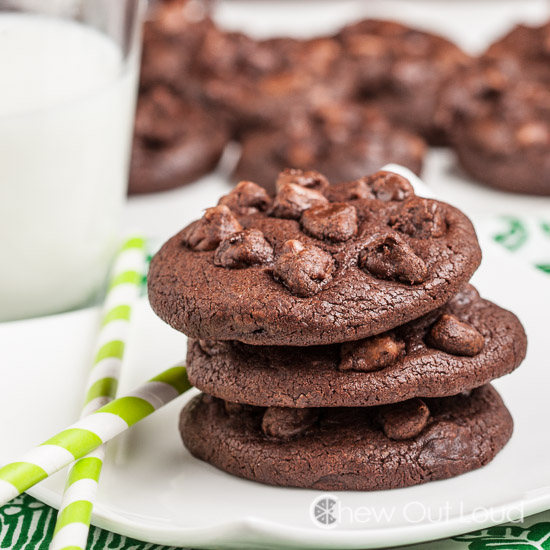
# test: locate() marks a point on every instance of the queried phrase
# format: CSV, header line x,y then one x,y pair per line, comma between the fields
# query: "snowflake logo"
x,y
324,512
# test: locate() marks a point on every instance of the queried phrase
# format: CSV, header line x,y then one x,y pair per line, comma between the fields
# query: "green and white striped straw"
x,y
90,432
125,283
127,275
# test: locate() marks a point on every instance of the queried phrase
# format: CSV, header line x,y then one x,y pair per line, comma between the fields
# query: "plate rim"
x,y
226,533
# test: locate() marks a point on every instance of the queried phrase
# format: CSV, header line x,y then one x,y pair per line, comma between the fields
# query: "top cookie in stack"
x,y
315,265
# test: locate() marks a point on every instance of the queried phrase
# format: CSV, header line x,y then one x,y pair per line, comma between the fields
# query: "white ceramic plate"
x,y
152,489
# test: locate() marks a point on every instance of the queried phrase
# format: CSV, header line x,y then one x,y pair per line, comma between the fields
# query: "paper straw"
x,y
86,435
127,276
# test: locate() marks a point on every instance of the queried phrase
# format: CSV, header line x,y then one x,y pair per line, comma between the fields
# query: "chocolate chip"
x,y
284,423
207,233
247,198
382,186
304,269
355,190
243,249
446,442
335,222
388,186
292,199
390,257
451,335
306,178
370,354
420,218
404,420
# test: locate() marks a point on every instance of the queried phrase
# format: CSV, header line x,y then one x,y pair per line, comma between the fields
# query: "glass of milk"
x,y
69,76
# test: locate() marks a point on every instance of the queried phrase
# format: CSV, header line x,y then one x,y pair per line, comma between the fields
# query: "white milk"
x,y
66,114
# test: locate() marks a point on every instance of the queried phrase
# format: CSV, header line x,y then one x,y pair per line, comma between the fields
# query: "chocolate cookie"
x,y
343,141
402,71
499,123
176,141
462,345
256,82
172,34
365,449
530,47
315,265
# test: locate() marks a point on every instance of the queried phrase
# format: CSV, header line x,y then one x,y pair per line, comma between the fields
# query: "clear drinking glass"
x,y
69,77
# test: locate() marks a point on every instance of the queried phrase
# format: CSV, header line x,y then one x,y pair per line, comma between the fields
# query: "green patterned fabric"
x,y
27,524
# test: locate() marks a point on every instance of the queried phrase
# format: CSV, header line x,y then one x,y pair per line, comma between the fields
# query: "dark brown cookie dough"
x,y
371,257
499,125
258,81
343,141
365,449
462,345
401,71
176,141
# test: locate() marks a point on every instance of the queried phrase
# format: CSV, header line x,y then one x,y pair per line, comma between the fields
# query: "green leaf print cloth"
x,y
27,524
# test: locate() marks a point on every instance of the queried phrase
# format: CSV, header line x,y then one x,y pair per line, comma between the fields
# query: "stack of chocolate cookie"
x,y
335,335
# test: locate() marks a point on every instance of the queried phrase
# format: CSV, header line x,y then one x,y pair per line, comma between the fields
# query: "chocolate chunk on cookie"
x,y
246,198
464,344
208,232
243,249
450,334
389,257
285,423
335,222
350,261
371,354
404,420
306,178
363,449
292,199
420,219
304,269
